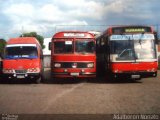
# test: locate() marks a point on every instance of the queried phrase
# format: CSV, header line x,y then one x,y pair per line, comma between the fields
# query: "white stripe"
x,y
16,45
137,60
146,60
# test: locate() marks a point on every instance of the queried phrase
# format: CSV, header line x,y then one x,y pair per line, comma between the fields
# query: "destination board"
x,y
134,29
132,37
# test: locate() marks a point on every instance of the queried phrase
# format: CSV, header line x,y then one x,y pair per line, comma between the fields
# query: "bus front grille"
x,y
74,64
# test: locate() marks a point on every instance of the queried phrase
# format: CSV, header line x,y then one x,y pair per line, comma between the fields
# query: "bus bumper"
x,y
22,76
134,75
74,74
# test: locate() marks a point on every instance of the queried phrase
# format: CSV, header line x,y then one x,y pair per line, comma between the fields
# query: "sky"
x,y
49,16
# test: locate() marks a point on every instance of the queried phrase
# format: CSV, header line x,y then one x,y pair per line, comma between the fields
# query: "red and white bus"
x,y
127,51
73,54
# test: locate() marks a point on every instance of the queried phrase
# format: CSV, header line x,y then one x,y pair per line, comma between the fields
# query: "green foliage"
x,y
2,45
34,34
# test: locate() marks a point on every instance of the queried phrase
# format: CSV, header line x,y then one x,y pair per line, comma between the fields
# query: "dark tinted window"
x,y
21,52
63,47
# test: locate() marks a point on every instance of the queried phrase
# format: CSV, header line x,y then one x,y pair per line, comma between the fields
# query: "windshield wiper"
x,y
131,44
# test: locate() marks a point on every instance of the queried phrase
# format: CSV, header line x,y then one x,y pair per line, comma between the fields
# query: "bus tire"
x,y
155,74
38,80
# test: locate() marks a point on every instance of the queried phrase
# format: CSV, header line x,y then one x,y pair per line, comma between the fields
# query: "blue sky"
x,y
48,16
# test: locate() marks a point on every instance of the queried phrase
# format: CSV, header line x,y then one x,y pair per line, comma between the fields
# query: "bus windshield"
x,y
63,47
133,49
80,45
16,52
84,46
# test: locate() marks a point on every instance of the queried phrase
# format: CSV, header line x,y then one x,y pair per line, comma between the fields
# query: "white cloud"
x,y
43,16
19,10
117,6
28,16
49,13
127,11
90,10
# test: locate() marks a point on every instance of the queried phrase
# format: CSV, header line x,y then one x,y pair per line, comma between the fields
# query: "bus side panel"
x,y
142,66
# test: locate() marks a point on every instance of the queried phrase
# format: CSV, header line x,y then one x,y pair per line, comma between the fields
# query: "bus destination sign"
x,y
74,35
128,30
134,29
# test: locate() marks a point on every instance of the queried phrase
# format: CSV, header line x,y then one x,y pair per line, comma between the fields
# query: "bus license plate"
x,y
135,76
74,74
20,76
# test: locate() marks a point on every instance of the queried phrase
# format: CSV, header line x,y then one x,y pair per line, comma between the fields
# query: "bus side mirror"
x,y
50,46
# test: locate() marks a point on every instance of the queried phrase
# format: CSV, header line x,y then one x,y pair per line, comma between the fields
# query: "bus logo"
x,y
74,65
73,35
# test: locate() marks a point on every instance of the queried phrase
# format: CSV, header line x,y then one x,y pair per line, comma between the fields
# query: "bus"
x,y
127,51
23,58
73,55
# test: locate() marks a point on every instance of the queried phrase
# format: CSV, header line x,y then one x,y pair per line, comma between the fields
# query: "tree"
x,y
2,45
34,34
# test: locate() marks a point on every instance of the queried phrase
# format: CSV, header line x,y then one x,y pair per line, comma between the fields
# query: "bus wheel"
x,y
38,80
155,74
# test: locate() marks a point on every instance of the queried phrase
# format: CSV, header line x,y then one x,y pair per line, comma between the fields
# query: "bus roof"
x,y
23,40
73,34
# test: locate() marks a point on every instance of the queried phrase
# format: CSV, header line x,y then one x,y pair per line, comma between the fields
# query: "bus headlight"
x,y
90,65
8,71
152,69
116,71
57,65
33,70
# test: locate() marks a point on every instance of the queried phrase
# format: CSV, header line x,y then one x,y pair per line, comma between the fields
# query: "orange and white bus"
x,y
73,54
